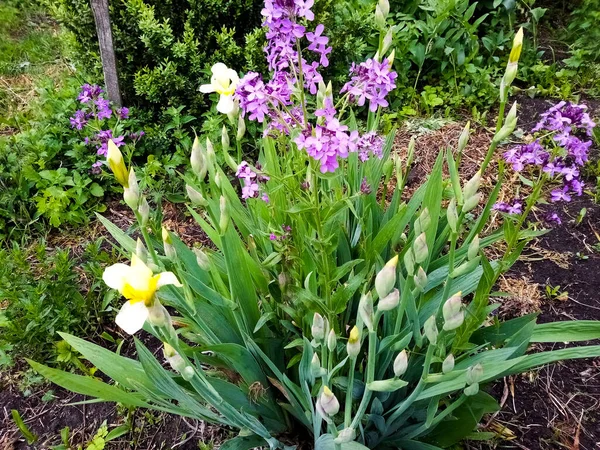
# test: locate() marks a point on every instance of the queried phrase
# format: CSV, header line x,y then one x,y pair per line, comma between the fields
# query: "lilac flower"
x,y
79,120
516,207
250,180
553,218
365,188
89,92
312,77
560,195
103,137
370,143
565,115
265,198
318,44
250,189
252,95
273,237
286,228
123,113
104,111
96,167
371,80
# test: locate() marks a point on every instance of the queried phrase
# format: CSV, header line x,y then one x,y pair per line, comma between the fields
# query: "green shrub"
x,y
164,48
41,293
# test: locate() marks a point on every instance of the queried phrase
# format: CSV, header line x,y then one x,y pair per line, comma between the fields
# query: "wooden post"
x,y
107,50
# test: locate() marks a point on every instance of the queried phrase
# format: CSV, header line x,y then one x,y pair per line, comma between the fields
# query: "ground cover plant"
x,y
362,318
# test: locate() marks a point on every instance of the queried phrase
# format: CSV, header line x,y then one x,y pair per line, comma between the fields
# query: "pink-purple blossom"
x,y
371,80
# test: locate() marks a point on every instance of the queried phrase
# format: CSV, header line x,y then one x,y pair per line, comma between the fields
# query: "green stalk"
x,y
146,237
348,403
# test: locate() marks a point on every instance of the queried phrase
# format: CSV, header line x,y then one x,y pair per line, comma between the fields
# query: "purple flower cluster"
x,y
514,207
327,140
567,123
287,230
89,92
101,140
371,80
251,180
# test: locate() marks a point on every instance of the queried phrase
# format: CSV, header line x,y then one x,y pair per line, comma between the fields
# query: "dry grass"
x,y
522,296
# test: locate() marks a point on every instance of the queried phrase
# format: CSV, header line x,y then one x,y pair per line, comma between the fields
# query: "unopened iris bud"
x,y
379,17
472,202
174,359
188,373
131,194
315,366
384,5
420,250
386,278
202,259
344,436
114,157
420,279
391,57
144,211
218,179
331,341
168,244
409,262
241,128
509,125
365,309
158,316
390,301
453,313
430,330
474,374
472,186
224,219
448,364
225,139
197,160
422,222
515,51
401,363
329,402
318,327
195,197
452,215
472,389
387,41
464,138
140,250
473,250
353,345
210,154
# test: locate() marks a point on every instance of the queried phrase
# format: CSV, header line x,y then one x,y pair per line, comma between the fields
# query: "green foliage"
x,y
584,31
40,292
165,48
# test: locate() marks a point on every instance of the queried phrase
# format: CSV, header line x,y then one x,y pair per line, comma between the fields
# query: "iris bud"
x,y
365,309
379,17
197,160
131,194
114,157
188,373
331,341
195,197
401,363
472,186
241,129
315,366
353,345
140,250
448,364
430,330
472,202
472,389
473,250
409,262
453,313
474,374
464,138
452,215
420,250
329,403
224,219
384,5
318,327
168,244
225,139
421,279
202,259
144,211
346,435
390,301
423,221
387,40
386,278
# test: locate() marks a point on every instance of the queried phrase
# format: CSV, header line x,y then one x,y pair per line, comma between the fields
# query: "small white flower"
x,y
223,81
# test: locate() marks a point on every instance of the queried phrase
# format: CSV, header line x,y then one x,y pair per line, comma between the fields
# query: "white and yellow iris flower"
x,y
223,81
138,284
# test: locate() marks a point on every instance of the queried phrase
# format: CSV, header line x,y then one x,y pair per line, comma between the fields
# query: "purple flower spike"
x,y
79,120
371,80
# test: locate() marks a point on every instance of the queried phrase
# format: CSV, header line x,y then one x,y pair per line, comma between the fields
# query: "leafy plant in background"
x,y
363,319
40,291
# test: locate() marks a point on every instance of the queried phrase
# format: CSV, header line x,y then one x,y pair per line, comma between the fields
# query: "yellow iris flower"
x,y
138,284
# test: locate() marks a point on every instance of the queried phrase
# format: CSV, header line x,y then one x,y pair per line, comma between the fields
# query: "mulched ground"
x,y
550,408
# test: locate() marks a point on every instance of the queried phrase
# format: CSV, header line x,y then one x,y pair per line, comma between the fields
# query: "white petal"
x,y
218,68
132,316
233,76
207,88
116,275
225,104
166,278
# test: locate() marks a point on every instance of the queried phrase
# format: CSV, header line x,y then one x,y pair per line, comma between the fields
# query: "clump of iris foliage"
x,y
361,319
